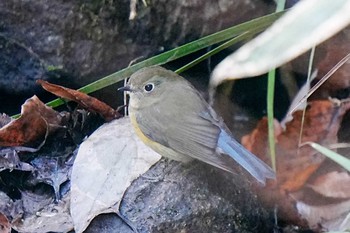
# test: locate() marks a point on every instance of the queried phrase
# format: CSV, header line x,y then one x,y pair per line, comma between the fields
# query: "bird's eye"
x,y
149,87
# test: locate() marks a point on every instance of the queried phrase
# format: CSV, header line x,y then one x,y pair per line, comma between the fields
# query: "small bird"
x,y
172,118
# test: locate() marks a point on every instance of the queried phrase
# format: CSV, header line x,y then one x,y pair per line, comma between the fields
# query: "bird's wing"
x,y
191,132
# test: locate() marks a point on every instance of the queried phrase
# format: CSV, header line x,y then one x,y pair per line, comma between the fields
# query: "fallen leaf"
x,y
35,122
333,217
106,164
299,179
90,103
53,171
333,184
330,53
297,165
4,119
5,226
11,209
321,124
52,217
257,140
33,202
11,161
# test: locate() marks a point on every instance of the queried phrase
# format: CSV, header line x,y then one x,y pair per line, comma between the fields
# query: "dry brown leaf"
x,y
296,165
35,121
333,184
321,124
90,103
299,179
330,53
5,226
257,140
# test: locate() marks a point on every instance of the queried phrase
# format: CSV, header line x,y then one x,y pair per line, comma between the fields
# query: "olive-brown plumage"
x,y
171,117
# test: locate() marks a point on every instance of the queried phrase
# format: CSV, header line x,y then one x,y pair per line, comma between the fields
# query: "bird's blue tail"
x,y
256,167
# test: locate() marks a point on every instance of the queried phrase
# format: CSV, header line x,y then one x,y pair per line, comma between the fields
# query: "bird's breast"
x,y
138,130
157,147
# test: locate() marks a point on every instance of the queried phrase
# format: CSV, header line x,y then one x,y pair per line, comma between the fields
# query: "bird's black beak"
x,y
125,88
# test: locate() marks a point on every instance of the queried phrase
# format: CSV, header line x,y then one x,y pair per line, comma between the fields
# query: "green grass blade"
x,y
270,101
212,52
341,160
254,25
270,116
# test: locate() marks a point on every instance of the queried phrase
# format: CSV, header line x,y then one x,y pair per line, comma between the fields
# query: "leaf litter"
x,y
307,183
38,151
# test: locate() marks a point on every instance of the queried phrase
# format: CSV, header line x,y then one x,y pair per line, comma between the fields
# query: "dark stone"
x,y
173,197
77,42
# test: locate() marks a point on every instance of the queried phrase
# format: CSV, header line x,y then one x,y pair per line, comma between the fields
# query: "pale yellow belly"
x,y
157,147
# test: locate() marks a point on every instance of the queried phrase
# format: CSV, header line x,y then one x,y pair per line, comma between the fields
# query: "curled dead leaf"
x,y
5,226
333,184
299,180
35,122
297,166
321,124
90,103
